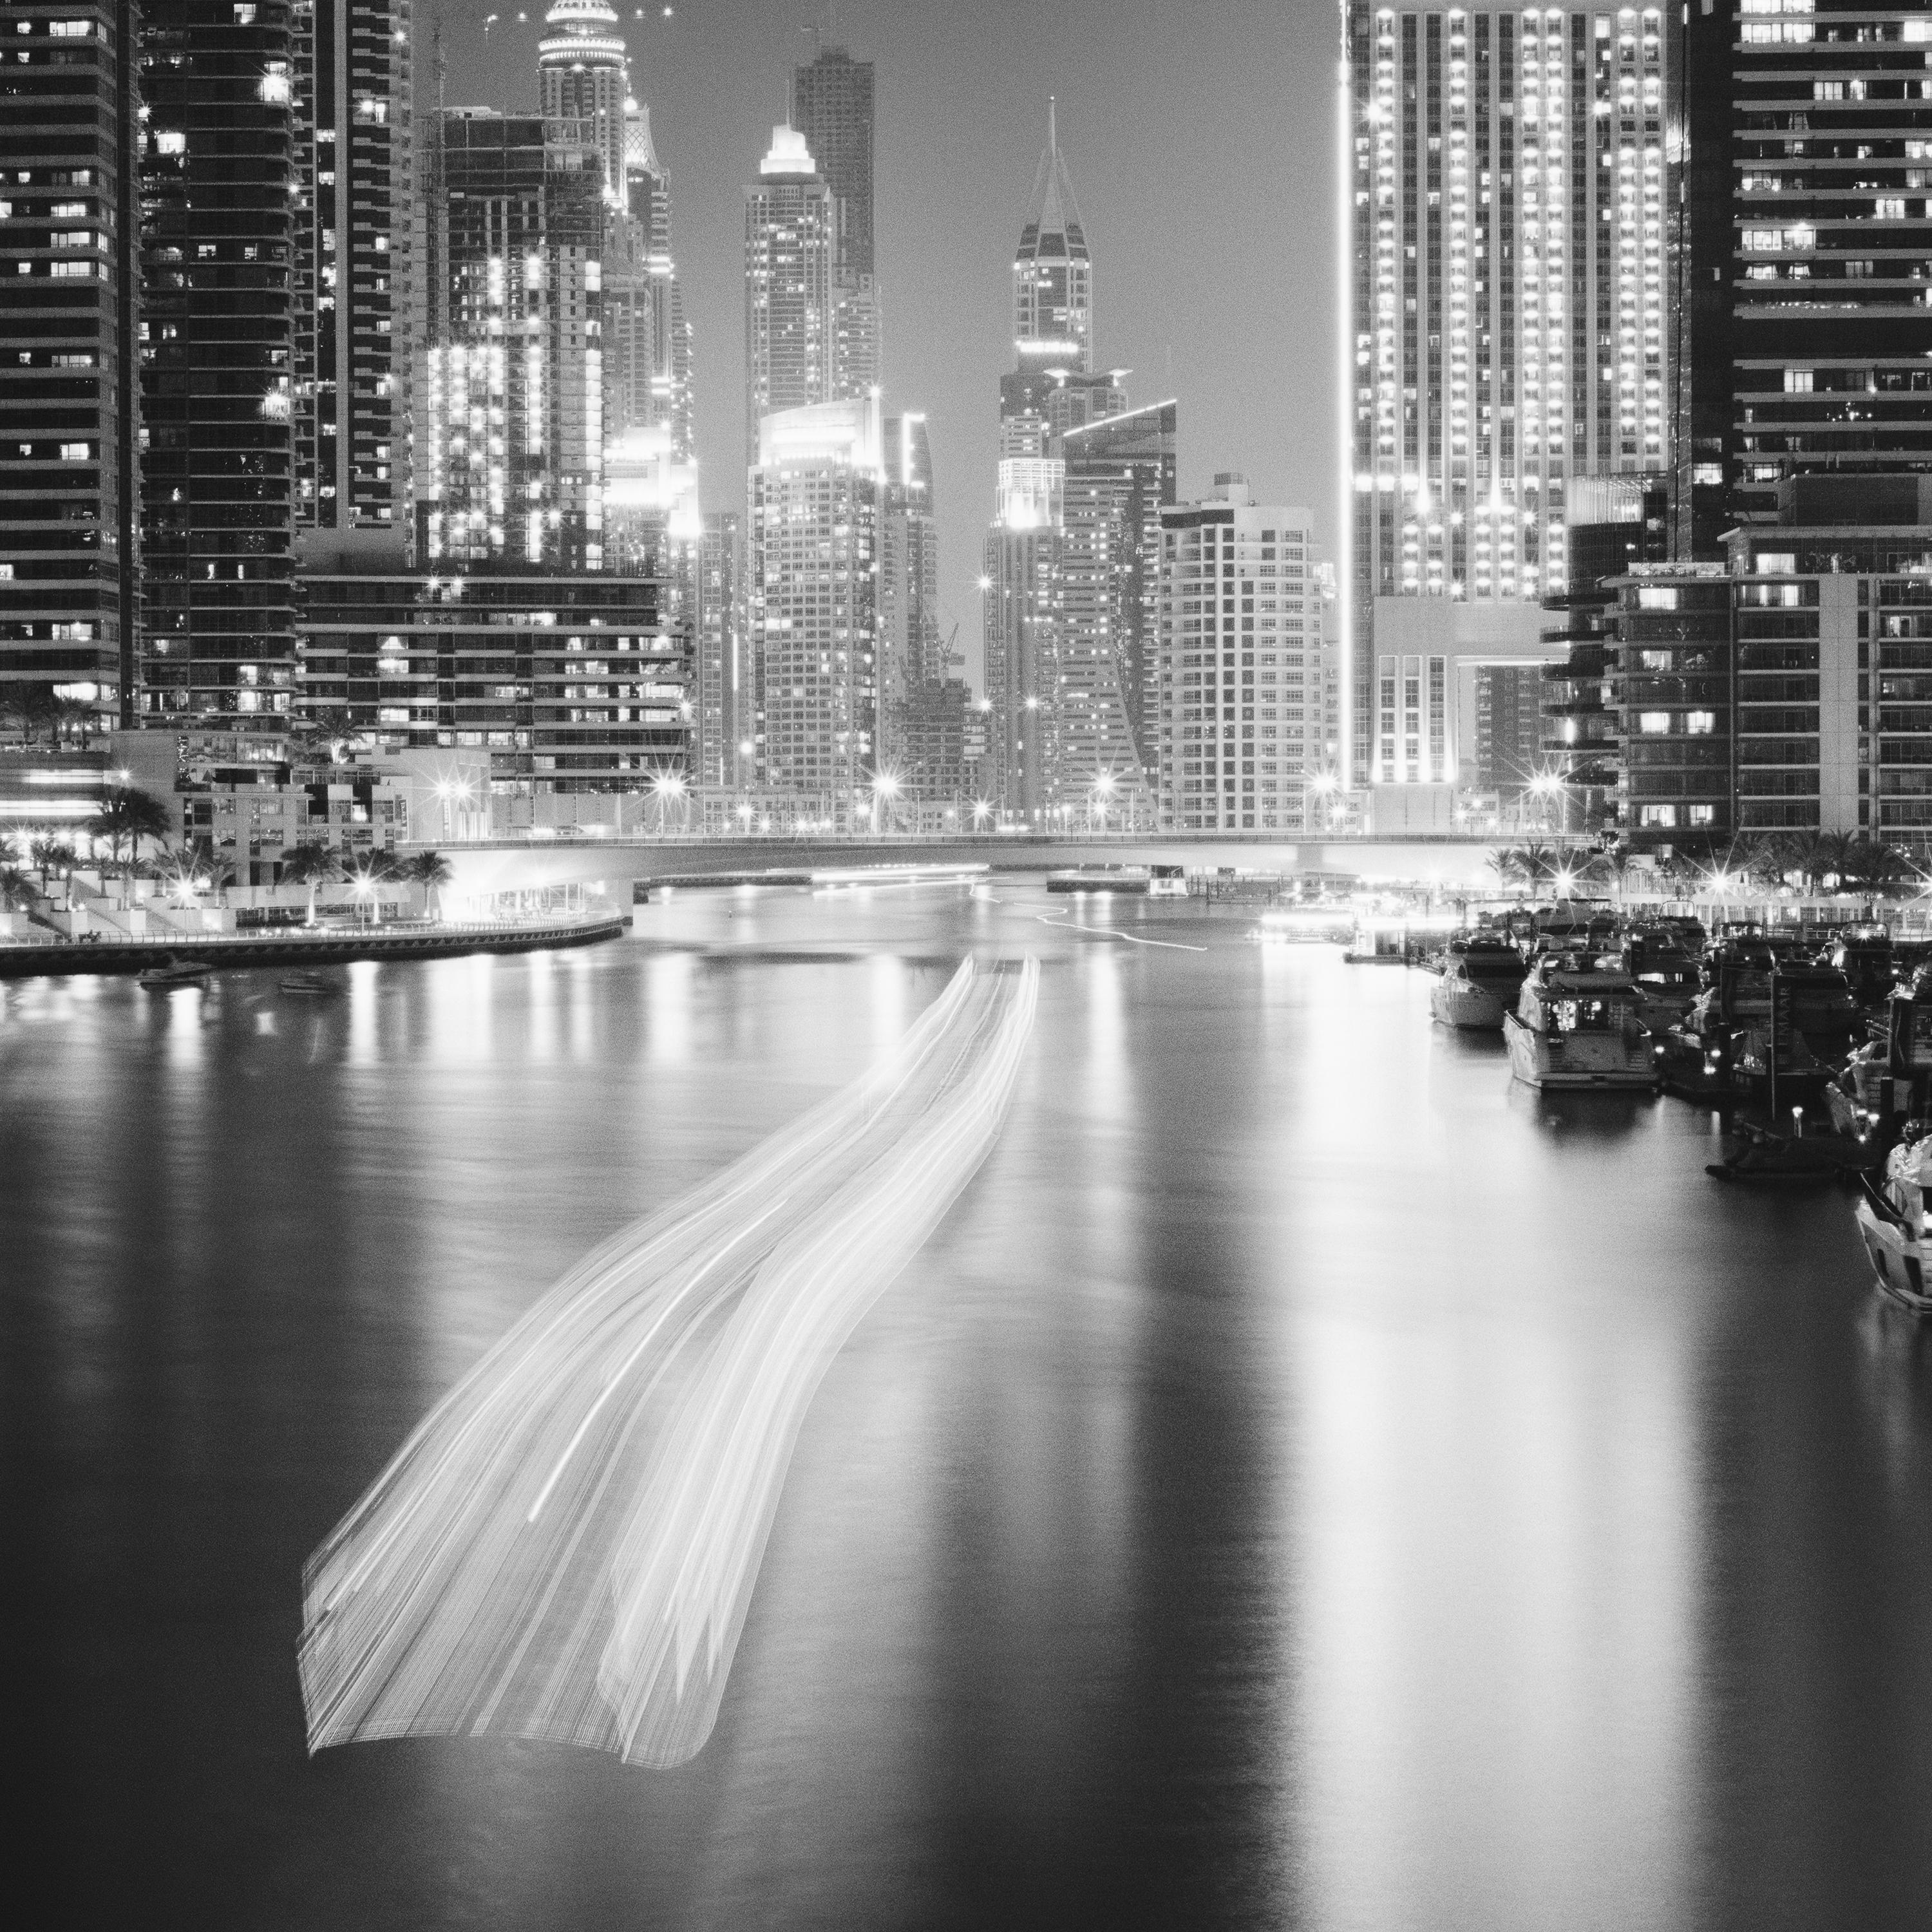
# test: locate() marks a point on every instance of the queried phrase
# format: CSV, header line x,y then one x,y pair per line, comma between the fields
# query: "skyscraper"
x,y
1504,251
722,675
1053,275
832,108
791,226
69,383
584,85
354,162
646,338
1018,596
813,602
1120,474
1240,725
510,466
1804,287
218,208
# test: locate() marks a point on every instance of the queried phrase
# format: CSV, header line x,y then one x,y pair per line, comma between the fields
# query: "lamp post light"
x,y
886,787
668,785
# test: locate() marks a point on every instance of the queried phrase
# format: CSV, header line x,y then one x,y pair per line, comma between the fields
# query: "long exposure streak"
x,y
565,1548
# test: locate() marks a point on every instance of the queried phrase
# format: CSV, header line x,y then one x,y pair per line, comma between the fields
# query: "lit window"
x,y
1656,723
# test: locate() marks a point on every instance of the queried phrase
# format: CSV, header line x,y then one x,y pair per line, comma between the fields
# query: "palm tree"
x,y
310,866
1507,863
432,871
126,816
327,731
54,858
17,890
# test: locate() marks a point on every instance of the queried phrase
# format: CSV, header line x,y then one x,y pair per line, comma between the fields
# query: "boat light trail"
x,y
565,1547
1108,932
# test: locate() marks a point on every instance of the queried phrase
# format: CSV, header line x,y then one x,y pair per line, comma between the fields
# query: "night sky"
x,y
1199,140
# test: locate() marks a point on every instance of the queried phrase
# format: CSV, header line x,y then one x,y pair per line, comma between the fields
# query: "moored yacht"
x,y
1481,974
1891,1223
1576,1024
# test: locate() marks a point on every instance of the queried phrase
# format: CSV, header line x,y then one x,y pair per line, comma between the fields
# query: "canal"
x,y
1306,1481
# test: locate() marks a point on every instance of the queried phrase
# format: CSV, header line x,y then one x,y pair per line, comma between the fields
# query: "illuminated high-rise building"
x,y
813,607
355,217
646,337
1020,635
584,85
1806,271
1120,474
791,232
723,678
69,389
218,207
832,107
1503,249
510,452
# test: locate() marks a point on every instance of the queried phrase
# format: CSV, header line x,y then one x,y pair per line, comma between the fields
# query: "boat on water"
x,y
1732,1037
309,983
171,974
1481,975
1667,977
1576,1025
1891,1222
1167,882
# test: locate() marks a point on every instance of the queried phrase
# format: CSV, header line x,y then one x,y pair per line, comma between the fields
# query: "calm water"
x,y
1307,1482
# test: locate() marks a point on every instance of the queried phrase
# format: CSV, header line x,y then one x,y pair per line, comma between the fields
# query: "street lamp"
x,y
667,785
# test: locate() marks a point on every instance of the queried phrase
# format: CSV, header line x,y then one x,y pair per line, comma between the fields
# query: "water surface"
x,y
1306,1482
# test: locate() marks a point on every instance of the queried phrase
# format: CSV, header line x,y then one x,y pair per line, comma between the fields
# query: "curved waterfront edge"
x,y
224,951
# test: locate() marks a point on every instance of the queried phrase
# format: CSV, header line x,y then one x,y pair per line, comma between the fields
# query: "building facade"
x,y
832,107
355,177
723,677
1808,257
1241,668
1120,474
813,547
69,384
561,684
1019,627
219,198
791,235
510,452
1505,253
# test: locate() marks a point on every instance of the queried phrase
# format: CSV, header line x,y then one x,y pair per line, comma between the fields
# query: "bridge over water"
x,y
613,866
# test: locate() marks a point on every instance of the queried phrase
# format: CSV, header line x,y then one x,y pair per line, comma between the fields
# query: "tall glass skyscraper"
x,y
218,240
1504,248
69,389
791,224
1806,288
355,164
832,108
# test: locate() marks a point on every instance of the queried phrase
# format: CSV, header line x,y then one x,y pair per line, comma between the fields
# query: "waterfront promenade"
x,y
304,945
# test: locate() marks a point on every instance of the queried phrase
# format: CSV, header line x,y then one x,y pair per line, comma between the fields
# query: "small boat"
x,y
1167,882
1576,1024
309,982
1890,1216
1789,1159
1481,975
171,974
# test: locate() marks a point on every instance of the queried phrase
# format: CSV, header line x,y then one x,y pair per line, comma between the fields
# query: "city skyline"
x,y
962,113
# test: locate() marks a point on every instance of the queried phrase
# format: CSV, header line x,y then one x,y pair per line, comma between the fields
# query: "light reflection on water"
x,y
1309,1480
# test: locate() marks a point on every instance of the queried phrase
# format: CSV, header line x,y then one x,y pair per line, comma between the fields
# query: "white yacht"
x,y
1892,1224
1576,1025
1480,978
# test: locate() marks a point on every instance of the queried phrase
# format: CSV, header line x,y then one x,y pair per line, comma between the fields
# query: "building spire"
x,y
1052,136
